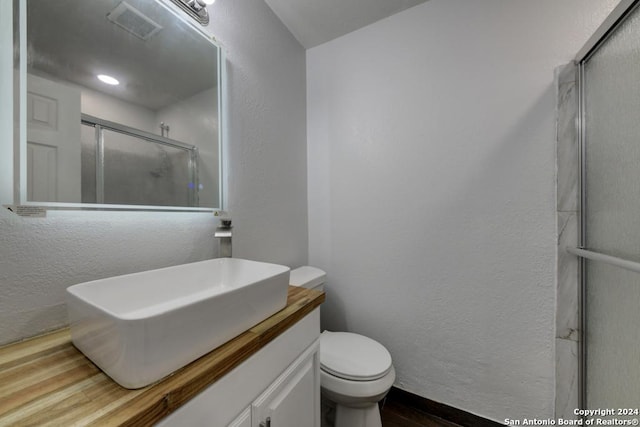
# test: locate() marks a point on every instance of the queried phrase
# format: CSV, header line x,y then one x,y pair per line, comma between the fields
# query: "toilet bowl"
x,y
356,372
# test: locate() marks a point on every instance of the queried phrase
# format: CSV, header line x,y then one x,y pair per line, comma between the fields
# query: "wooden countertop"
x,y
46,381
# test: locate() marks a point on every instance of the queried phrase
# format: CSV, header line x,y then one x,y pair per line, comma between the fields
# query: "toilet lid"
x,y
353,357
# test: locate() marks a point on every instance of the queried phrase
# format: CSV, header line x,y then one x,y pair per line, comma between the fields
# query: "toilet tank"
x,y
308,277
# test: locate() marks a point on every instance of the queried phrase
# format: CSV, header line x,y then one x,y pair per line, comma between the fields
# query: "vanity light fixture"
x,y
108,79
196,8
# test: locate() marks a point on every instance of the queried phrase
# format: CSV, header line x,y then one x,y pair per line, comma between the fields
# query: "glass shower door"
x,y
610,82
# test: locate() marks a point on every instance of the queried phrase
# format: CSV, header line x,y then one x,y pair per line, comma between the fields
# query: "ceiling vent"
x,y
134,21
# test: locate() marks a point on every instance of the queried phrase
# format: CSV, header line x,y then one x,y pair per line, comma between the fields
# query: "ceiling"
x,y
314,22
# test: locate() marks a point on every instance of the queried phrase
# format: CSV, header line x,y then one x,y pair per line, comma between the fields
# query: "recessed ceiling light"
x,y
108,79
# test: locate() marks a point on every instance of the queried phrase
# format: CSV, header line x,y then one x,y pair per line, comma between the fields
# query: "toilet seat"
x,y
353,357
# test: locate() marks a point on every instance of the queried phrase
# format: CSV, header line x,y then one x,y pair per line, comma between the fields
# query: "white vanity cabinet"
x,y
293,399
280,382
243,420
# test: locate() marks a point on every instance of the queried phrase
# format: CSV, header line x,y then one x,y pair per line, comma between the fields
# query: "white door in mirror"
x,y
53,141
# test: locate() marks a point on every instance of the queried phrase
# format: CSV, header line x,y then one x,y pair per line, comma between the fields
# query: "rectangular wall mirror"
x,y
119,106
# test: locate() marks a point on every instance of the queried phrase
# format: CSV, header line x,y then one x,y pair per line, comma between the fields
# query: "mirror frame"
x,y
13,177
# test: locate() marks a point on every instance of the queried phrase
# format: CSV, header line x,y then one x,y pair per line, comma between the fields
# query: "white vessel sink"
x,y
140,327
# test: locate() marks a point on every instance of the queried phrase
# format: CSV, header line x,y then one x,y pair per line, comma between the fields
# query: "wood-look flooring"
x,y
403,409
398,414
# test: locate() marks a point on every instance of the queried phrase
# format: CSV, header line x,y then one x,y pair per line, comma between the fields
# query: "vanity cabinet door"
x,y
243,420
293,400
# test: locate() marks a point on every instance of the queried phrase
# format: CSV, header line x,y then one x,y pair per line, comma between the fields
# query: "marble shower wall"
x,y
567,313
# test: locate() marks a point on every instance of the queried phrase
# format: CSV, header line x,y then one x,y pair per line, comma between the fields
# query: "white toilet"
x,y
355,371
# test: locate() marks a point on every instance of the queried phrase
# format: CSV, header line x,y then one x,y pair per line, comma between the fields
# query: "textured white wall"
x,y
432,197
39,258
267,126
110,108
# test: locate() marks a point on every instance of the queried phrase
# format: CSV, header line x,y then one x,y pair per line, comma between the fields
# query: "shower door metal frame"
x,y
100,125
608,27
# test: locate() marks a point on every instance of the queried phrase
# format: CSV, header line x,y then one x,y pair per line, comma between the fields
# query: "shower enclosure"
x,y
608,244
126,166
